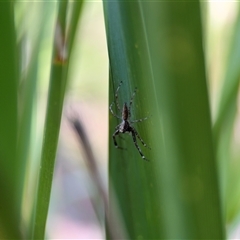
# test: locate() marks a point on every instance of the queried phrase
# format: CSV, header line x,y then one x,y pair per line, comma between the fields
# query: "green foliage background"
x,y
190,188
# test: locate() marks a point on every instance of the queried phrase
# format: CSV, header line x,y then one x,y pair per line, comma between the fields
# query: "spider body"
x,y
125,125
125,112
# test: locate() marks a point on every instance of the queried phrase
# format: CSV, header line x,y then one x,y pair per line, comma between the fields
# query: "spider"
x,y
125,125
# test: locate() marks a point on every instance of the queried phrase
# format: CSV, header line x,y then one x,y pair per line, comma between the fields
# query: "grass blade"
x,y
157,47
9,167
58,82
224,126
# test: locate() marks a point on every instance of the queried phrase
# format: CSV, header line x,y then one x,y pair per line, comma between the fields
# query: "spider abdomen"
x,y
124,126
125,112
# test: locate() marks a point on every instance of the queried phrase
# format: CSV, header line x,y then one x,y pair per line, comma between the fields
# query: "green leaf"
x,y
9,166
157,47
58,82
224,126
28,98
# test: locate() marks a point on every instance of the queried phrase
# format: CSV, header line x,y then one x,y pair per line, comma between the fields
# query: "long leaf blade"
x,y
158,48
9,166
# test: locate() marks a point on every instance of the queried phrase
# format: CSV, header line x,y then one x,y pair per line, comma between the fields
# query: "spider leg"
x,y
135,142
113,112
116,128
139,120
116,96
131,101
114,140
143,143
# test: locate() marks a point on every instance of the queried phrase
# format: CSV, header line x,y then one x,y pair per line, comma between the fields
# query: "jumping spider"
x,y
125,125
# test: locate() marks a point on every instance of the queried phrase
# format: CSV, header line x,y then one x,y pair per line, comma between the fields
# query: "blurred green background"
x,y
76,208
